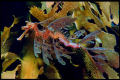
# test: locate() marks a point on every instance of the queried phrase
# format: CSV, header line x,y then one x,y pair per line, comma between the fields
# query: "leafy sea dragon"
x,y
53,30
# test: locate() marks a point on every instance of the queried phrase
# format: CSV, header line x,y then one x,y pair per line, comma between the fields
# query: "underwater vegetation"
x,y
62,40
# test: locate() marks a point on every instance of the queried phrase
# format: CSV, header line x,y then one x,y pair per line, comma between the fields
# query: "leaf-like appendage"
x,y
90,36
60,60
47,21
61,23
59,53
93,33
98,49
46,53
36,48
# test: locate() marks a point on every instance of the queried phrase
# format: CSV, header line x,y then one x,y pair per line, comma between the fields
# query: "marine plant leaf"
x,y
114,11
47,5
5,48
7,63
105,7
10,55
67,6
29,64
37,13
10,74
83,17
52,73
89,64
106,69
6,31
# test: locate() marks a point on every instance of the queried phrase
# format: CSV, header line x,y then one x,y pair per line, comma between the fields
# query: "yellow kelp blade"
x,y
41,16
9,59
29,64
10,74
5,35
6,31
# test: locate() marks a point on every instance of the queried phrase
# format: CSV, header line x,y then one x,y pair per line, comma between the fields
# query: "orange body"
x,y
46,33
